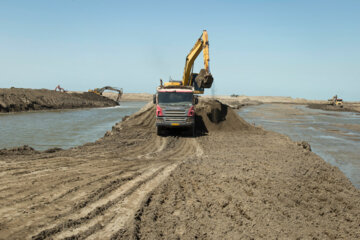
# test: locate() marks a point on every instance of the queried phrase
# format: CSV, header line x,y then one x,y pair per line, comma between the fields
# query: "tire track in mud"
x,y
132,204
119,214
93,210
93,190
105,216
88,222
111,176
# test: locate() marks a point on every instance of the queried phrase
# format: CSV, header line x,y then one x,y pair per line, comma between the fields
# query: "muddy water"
x,y
64,129
335,136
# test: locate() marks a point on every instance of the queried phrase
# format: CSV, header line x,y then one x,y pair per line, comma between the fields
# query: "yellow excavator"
x,y
100,91
200,80
175,100
335,101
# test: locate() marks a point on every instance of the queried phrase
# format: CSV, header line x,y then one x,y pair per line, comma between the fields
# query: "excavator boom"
x,y
200,80
206,51
204,79
189,63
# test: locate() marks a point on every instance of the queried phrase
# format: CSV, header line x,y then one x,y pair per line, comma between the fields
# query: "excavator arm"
x,y
204,79
206,51
189,62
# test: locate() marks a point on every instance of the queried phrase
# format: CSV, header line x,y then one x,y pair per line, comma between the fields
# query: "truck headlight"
x,y
159,120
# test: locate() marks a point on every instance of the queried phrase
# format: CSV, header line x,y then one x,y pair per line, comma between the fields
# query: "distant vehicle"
x,y
100,91
335,101
60,89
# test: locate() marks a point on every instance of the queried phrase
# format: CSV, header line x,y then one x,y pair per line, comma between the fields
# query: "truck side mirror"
x,y
154,98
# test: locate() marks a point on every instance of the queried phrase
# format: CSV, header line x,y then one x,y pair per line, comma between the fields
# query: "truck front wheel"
x,y
193,131
159,131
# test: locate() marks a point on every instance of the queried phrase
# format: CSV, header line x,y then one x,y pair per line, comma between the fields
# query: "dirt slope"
x,y
20,99
233,181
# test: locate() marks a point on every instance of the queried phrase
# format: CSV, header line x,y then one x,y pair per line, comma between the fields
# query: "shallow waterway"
x,y
62,128
335,136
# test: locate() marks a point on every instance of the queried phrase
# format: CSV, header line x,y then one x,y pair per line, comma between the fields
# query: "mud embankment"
x,y
348,107
233,181
20,99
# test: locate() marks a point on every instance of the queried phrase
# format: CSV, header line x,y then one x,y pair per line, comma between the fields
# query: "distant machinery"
x,y
335,101
100,91
60,89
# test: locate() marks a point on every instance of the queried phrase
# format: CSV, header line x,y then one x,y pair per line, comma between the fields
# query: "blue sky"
x,y
304,49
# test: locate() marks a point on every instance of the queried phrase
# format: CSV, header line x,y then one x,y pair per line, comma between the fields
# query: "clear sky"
x,y
307,49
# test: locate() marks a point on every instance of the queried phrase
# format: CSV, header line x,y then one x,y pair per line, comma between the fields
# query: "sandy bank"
x,y
130,97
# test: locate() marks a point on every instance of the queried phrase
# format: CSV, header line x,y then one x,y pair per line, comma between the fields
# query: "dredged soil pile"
x,y
20,99
347,107
233,181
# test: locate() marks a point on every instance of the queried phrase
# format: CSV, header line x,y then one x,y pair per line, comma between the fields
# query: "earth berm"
x,y
22,99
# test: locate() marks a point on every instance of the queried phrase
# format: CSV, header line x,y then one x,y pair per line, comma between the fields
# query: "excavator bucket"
x,y
204,79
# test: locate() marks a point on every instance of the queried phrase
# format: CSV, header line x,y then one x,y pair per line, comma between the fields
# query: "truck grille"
x,y
175,119
174,113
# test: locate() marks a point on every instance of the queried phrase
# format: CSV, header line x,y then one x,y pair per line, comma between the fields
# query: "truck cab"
x,y
175,108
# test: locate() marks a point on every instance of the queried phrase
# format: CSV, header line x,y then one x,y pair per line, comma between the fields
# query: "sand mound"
x,y
212,115
144,118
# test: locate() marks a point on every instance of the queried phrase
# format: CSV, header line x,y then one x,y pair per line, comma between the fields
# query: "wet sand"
x,y
233,180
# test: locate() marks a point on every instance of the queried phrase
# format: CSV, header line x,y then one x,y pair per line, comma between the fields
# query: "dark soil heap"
x,y
212,115
21,99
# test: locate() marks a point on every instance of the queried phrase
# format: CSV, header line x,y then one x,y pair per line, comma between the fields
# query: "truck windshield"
x,y
175,97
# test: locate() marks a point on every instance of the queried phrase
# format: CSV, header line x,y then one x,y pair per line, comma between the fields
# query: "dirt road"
x,y
21,99
232,181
